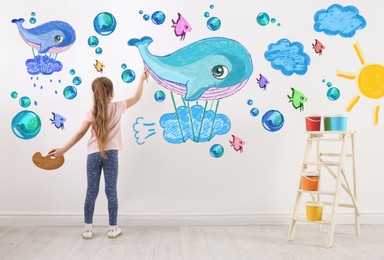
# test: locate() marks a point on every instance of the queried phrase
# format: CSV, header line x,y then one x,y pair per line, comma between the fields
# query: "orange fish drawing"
x,y
237,143
318,47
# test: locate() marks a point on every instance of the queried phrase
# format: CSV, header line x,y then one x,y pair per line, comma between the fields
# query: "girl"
x,y
103,147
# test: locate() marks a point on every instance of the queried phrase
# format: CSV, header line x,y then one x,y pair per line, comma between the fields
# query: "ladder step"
x,y
334,155
321,192
343,205
304,219
328,163
325,139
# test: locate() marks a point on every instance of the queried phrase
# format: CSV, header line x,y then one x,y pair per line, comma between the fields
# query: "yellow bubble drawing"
x,y
370,82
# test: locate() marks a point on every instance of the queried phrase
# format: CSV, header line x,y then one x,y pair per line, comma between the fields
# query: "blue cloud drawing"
x,y
195,123
288,57
339,20
43,65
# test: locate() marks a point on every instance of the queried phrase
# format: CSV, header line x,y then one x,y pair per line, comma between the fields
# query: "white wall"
x,y
168,183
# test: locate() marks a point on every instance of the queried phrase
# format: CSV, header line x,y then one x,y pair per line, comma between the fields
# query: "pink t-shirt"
x,y
115,110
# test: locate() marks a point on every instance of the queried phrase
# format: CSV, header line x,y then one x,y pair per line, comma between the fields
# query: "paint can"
x,y
309,182
313,123
314,210
335,123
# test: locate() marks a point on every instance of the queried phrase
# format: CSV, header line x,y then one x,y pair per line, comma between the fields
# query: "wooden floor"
x,y
193,242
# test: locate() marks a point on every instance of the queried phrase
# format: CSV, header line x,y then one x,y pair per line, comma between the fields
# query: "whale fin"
x,y
44,47
146,40
194,92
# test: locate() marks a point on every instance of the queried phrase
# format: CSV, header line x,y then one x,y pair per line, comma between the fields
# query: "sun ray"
x,y
346,75
376,115
353,103
359,53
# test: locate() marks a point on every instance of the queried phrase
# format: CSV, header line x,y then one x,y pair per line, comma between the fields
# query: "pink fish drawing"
x,y
181,27
237,143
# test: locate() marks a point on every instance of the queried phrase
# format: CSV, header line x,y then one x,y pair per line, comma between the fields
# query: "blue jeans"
x,y
96,163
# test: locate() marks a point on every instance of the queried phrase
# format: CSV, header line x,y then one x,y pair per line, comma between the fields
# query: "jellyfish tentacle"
x,y
202,121
191,120
178,117
214,118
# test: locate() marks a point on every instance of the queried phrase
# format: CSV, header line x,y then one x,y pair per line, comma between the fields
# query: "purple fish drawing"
x,y
58,121
263,82
181,27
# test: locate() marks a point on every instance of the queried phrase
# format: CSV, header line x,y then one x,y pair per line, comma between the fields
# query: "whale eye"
x,y
220,71
58,38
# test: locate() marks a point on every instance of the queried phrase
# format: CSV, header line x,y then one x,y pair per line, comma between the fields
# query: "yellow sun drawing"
x,y
370,82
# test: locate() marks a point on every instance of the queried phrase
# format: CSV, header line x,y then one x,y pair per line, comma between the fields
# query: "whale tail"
x,y
18,21
146,40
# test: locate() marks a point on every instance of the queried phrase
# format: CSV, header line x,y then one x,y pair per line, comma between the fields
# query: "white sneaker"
x,y
87,234
115,232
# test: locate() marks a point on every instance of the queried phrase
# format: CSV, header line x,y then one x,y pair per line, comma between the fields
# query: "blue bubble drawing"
x,y
143,130
272,120
44,65
158,17
76,80
194,123
288,57
104,23
216,150
339,20
25,101
146,17
26,124
333,93
159,96
14,94
262,19
128,76
98,50
70,92
254,112
206,14
123,66
213,23
250,102
72,71
93,41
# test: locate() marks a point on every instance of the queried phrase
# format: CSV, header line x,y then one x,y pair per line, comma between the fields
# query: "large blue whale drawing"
x,y
208,69
50,37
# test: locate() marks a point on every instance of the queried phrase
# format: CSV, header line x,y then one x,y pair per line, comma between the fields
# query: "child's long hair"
x,y
102,88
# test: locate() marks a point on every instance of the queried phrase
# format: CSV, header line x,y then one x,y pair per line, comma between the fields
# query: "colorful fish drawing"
x,y
58,121
237,143
50,37
99,66
181,27
263,82
209,69
318,47
297,99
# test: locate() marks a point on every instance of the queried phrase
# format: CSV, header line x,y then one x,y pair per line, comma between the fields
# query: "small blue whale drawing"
x,y
50,37
209,69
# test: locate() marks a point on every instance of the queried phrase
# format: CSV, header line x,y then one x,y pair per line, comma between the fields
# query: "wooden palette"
x,y
47,162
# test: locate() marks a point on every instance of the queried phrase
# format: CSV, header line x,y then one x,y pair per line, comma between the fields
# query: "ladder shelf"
x,y
333,164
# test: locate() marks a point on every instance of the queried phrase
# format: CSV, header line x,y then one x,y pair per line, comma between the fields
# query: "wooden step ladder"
x,y
332,163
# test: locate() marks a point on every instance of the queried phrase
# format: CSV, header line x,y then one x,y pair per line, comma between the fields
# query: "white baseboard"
x,y
60,219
